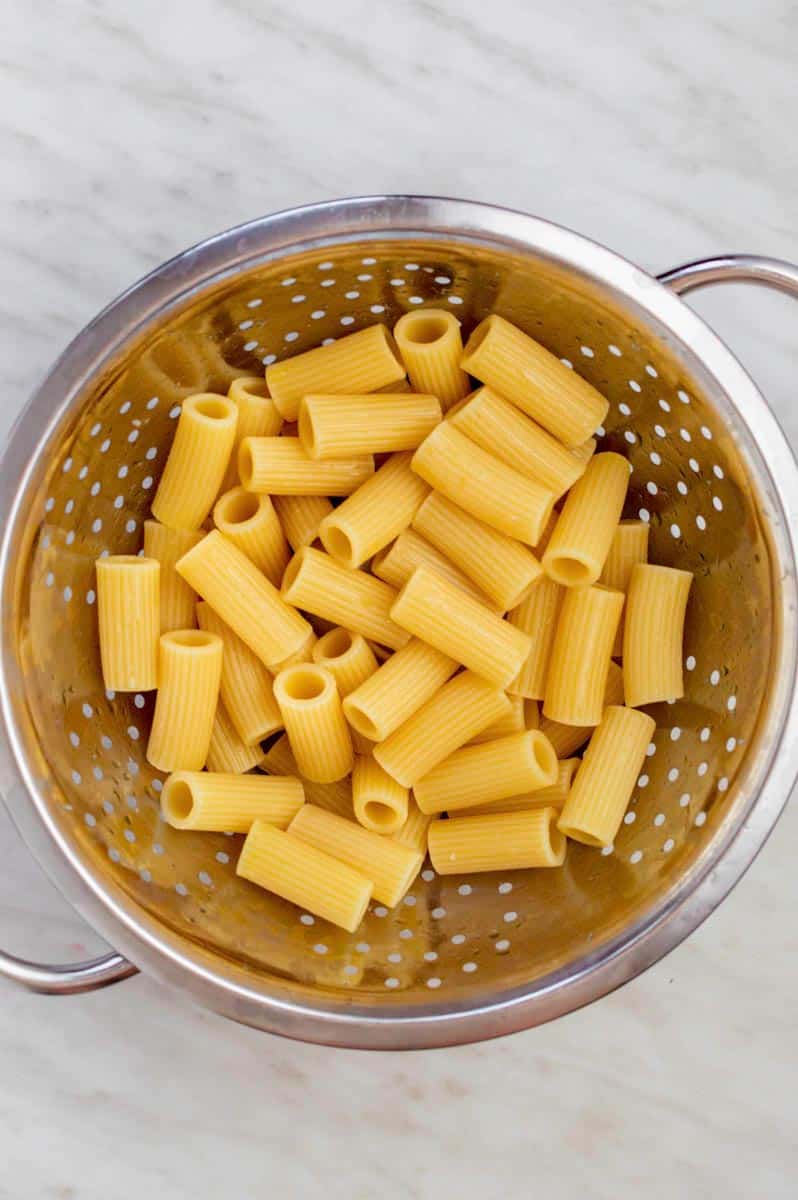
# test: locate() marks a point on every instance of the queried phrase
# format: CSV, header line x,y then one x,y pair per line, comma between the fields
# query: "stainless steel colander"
x,y
461,959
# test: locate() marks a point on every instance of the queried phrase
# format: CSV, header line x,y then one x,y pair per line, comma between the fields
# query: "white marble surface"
x,y
662,129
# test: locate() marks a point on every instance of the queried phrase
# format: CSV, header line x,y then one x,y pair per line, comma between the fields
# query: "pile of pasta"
x,y
383,611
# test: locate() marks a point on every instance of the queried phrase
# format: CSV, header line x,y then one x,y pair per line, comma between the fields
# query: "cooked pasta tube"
x,y
197,461
431,347
522,762
482,484
437,611
244,598
347,656
316,583
566,739
498,426
553,796
513,722
356,364
228,753
300,517
414,831
410,550
342,426
628,547
314,722
581,540
257,417
189,673
397,689
460,709
520,369
334,797
246,689
605,781
652,643
202,800
300,873
497,842
498,565
128,605
279,466
375,514
177,598
536,616
251,523
302,655
580,656
585,450
391,866
380,802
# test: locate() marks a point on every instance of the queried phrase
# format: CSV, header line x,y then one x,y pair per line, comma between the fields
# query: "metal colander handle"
x,y
111,968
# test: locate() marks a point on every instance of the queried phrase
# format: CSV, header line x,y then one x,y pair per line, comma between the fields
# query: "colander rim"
x,y
393,1025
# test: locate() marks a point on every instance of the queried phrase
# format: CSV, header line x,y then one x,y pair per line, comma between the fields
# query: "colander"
x,y
461,959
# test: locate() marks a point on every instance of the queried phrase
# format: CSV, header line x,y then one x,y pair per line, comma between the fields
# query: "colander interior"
x,y
468,937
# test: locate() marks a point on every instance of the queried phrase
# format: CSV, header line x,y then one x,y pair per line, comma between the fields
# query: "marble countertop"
x,y
663,130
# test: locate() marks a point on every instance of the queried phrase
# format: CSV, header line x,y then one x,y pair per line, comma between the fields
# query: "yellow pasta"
x,y
566,739
497,842
356,364
391,866
257,417
431,347
410,550
189,673
553,796
375,514
301,655
482,484
513,722
228,753
585,450
300,517
499,566
177,598
628,547
244,598
498,426
414,831
279,466
334,797
580,656
246,689
605,781
128,606
581,540
316,583
300,873
202,800
521,370
343,426
347,656
458,711
397,689
536,616
251,524
380,802
197,461
437,611
522,762
314,722
652,643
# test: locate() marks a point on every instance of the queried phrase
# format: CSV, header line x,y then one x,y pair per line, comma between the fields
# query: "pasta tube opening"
x,y
303,683
236,507
177,801
424,328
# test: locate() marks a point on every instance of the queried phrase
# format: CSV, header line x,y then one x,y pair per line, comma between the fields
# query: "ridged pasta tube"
x,y
279,466
522,762
251,523
224,803
177,598
581,540
400,686
197,461
654,632
314,722
342,426
497,842
375,514
380,802
128,604
431,347
580,656
247,689
189,673
318,584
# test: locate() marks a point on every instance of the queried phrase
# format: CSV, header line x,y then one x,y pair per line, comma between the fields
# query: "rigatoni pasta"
x,y
628,547
580,656
537,617
522,762
251,523
257,417
581,539
246,688
189,673
280,466
431,347
347,656
520,369
401,686
498,565
513,722
380,803
567,739
334,797
177,598
375,514
652,643
553,796
228,753
201,800
314,722
497,842
437,611
398,561
300,517
342,426
128,604
197,461
414,831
